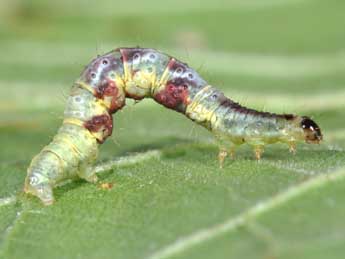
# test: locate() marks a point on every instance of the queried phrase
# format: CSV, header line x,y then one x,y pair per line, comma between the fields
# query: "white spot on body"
x,y
33,180
152,56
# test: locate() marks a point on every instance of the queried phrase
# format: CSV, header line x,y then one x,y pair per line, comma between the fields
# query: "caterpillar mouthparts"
x,y
137,73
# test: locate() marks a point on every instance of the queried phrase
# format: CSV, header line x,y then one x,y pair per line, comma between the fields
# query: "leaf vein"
x,y
200,236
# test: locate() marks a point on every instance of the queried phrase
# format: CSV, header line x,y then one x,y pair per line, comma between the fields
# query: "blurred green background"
x,y
273,55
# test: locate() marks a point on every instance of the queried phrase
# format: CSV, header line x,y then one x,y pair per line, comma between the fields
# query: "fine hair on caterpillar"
x,y
101,90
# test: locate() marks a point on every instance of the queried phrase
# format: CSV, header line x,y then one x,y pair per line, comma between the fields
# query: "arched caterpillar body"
x,y
137,73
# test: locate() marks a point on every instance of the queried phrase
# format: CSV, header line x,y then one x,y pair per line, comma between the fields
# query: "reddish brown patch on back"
x,y
104,87
130,54
100,124
124,54
108,88
172,62
178,66
174,95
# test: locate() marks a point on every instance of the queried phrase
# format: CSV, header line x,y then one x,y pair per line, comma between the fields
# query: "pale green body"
x,y
71,152
233,128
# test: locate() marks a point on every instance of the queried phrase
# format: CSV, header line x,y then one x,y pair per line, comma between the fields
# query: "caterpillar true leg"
x,y
226,148
138,73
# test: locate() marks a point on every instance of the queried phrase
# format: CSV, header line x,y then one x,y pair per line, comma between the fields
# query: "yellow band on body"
x,y
163,79
73,121
125,67
80,123
85,86
198,97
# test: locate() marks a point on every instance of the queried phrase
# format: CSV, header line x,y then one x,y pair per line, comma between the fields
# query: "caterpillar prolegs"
x,y
137,73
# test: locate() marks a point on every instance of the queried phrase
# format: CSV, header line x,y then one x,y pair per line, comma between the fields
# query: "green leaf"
x,y
167,196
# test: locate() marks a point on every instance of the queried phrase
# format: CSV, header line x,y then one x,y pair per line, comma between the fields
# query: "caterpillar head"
x,y
312,132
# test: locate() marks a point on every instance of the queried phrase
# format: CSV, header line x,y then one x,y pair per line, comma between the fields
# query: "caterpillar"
x,y
101,90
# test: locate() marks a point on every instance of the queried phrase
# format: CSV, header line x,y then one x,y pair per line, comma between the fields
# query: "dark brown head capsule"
x,y
311,130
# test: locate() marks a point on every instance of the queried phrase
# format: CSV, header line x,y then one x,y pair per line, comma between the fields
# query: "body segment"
x,y
138,73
